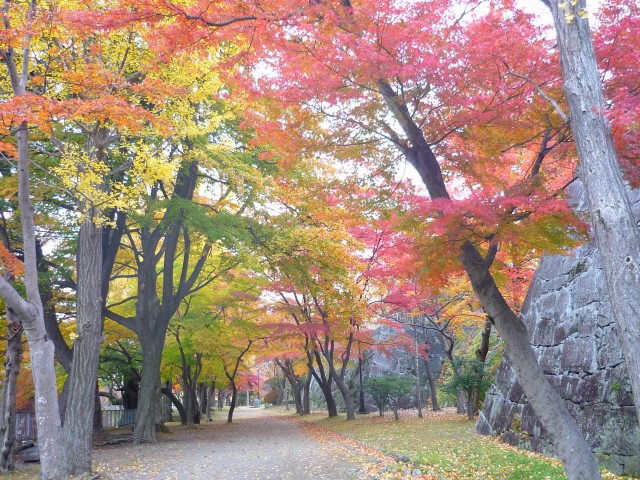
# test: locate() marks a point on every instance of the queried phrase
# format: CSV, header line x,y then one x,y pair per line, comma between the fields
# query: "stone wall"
x,y
571,327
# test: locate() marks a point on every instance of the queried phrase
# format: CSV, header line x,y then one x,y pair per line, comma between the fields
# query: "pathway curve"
x,y
258,444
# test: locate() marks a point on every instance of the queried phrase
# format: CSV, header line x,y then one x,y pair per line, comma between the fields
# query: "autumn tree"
x,y
384,82
16,43
201,210
321,284
236,332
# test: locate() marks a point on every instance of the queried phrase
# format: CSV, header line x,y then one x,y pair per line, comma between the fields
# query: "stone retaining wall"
x,y
571,327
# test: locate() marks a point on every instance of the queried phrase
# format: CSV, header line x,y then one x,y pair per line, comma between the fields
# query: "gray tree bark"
x,y
30,310
211,394
614,226
13,360
306,394
145,428
78,425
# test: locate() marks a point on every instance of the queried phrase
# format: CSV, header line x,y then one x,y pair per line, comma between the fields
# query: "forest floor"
x,y
259,444
276,444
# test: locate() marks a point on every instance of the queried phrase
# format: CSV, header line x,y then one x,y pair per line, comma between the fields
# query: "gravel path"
x,y
259,444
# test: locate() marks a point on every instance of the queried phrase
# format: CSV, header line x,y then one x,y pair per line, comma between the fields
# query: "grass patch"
x,y
446,445
23,471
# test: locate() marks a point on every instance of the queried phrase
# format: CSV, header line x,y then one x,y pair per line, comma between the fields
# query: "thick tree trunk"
x,y
145,428
615,228
130,392
192,408
78,425
332,408
13,360
349,404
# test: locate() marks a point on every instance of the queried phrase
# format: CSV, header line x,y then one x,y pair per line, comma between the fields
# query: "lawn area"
x,y
444,445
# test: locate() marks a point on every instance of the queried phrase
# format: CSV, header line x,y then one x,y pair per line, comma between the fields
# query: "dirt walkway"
x,y
259,444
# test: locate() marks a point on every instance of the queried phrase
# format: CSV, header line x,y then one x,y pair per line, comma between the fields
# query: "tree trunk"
x,y
615,228
434,392
221,397
167,411
145,428
286,396
97,412
306,394
202,398
362,409
332,408
470,410
461,402
396,416
481,356
211,393
30,311
281,382
297,397
324,382
13,360
177,403
78,426
130,392
573,450
234,401
348,398
418,386
187,400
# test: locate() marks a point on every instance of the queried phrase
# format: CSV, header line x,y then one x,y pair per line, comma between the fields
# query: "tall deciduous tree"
x,y
29,309
202,209
614,226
